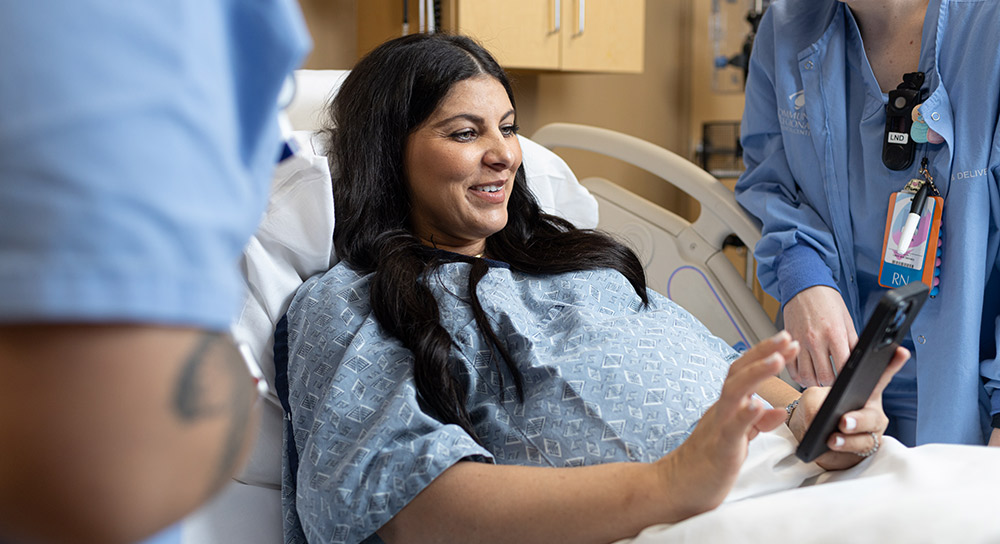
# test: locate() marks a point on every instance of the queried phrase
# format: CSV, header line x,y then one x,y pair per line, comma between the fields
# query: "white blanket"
x,y
933,493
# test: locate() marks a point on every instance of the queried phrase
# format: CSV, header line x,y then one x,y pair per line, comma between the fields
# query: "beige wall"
x,y
665,104
333,26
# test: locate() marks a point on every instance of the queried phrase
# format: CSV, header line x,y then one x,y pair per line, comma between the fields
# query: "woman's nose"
x,y
503,153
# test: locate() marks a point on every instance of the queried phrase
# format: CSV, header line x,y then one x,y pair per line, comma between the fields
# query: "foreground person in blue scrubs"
x,y
137,141
824,156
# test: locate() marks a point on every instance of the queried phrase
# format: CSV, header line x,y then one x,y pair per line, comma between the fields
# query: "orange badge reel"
x,y
911,247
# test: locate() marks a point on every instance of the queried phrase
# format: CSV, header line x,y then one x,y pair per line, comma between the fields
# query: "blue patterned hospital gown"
x,y
605,380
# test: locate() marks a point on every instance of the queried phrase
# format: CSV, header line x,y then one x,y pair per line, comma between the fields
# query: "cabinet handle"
x,y
406,17
581,17
558,17
431,27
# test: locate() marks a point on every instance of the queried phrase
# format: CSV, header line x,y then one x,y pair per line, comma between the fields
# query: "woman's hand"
x,y
854,437
702,470
818,318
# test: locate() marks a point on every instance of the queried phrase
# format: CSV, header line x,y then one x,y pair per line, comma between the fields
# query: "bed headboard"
x,y
313,90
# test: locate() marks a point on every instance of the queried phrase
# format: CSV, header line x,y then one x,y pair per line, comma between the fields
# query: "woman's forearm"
x,y
476,502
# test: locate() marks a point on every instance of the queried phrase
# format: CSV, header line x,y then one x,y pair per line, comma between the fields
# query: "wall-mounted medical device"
x,y
732,41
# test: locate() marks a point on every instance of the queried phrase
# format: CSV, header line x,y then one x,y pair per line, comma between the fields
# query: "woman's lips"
x,y
493,193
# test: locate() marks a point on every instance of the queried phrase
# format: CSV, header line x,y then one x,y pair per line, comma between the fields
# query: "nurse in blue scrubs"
x,y
815,132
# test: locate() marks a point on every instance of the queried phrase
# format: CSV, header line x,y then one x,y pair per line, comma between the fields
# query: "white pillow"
x,y
295,241
556,187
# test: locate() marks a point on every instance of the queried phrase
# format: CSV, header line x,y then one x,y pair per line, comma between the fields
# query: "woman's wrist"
x,y
789,410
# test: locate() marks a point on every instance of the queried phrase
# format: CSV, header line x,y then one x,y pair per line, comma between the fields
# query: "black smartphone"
x,y
868,360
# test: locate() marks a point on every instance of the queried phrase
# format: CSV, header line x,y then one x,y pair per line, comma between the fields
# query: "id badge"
x,y
900,267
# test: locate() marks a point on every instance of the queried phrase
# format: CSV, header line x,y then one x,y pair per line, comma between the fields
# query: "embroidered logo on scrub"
x,y
968,174
794,121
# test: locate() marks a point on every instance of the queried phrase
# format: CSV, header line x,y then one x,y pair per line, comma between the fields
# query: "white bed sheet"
x,y
933,493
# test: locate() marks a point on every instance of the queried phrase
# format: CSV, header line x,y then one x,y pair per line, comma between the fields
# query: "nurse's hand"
x,y
857,431
994,438
819,320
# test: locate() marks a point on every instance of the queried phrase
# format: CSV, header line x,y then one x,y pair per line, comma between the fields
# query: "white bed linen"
x,y
933,493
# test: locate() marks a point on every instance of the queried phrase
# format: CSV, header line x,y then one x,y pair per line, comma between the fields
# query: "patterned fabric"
x,y
605,380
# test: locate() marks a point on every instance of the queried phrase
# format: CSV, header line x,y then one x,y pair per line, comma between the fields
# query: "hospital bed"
x,y
683,260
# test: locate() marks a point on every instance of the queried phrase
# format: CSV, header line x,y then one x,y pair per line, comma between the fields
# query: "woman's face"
x,y
460,165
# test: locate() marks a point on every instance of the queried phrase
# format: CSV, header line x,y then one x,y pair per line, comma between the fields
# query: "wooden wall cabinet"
x,y
562,35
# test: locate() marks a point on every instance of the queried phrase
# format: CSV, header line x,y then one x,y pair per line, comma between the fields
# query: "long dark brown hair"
x,y
387,96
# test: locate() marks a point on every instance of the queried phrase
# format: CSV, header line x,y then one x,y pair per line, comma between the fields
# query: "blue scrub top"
x,y
137,142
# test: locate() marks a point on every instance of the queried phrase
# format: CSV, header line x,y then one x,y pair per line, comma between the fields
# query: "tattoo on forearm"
x,y
213,383
190,396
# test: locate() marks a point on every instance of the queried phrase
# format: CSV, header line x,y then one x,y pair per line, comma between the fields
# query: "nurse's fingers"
x,y
822,366
804,368
852,337
839,352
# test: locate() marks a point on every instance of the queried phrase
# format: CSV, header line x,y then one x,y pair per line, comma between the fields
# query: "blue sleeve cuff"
x,y
800,267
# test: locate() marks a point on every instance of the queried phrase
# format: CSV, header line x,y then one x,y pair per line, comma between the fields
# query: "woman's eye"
x,y
510,130
464,135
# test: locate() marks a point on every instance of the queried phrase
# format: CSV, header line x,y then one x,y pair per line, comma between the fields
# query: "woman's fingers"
x,y
743,380
762,361
714,452
859,431
857,444
865,420
770,420
741,412
871,418
898,360
762,349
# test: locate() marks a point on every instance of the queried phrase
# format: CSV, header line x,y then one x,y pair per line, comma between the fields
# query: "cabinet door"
x,y
519,33
603,35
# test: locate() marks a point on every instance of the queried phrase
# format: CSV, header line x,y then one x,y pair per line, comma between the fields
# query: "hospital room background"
x,y
666,71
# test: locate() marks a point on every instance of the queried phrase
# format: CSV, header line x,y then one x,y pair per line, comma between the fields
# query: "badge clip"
x,y
897,146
